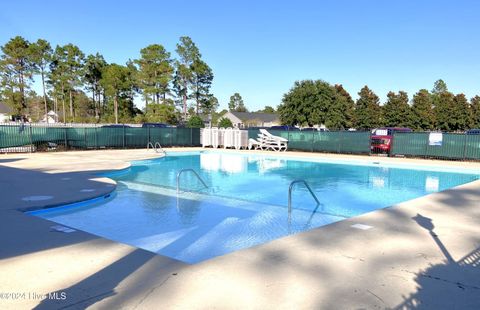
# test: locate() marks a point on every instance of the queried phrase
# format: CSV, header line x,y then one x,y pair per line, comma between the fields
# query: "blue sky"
x,y
260,48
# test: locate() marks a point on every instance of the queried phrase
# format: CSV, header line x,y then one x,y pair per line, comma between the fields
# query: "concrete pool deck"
x,y
424,253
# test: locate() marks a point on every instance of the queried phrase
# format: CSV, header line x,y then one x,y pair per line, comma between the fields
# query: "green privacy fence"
x,y
453,146
22,137
350,142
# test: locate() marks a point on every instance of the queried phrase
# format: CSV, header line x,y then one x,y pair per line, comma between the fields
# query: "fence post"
x,y
85,136
124,137
30,136
464,146
96,143
426,146
65,136
171,136
191,136
313,139
148,129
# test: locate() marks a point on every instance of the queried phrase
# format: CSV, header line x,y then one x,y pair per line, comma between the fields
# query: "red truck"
x,y
382,139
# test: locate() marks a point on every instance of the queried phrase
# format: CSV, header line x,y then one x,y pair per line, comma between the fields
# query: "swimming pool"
x,y
245,203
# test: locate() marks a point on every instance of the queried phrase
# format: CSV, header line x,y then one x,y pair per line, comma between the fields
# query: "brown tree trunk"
x,y
44,96
71,104
63,104
115,107
94,103
185,100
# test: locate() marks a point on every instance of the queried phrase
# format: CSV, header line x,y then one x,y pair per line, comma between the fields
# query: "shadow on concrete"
x,y
103,283
22,233
439,286
451,285
10,160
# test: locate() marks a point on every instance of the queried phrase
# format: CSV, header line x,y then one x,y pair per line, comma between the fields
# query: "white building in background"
x,y
248,119
5,112
51,118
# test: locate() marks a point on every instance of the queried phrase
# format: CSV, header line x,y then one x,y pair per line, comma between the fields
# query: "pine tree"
x,y
94,66
119,82
461,117
188,53
202,77
236,103
74,63
367,110
41,56
16,71
443,109
396,111
155,72
475,108
422,111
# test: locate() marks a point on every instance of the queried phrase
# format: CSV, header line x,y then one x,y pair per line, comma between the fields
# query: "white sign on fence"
x,y
435,138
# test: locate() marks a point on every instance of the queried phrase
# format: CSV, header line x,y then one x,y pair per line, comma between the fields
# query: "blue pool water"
x,y
245,203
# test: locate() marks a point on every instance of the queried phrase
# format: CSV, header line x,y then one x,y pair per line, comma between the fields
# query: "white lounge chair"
x,y
255,144
269,141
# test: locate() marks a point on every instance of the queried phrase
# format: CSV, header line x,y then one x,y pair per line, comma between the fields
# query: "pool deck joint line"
x,y
422,253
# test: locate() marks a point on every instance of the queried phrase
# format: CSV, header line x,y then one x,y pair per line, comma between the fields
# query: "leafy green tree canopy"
x,y
224,123
236,103
310,103
397,112
17,70
195,121
367,110
423,117
475,108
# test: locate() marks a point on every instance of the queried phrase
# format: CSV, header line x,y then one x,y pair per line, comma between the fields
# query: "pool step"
x,y
216,199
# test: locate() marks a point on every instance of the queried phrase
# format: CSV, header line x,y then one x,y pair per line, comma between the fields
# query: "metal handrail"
x,y
194,172
290,194
158,147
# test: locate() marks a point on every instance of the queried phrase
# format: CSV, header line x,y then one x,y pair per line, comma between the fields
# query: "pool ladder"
x,y
157,147
290,188
189,170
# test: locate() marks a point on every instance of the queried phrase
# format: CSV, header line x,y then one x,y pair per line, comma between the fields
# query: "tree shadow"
x,y
105,281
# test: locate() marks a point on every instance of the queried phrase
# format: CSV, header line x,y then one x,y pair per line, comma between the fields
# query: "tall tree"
x,y
367,109
161,113
396,111
439,87
443,109
422,111
209,105
475,108
74,63
267,109
307,103
236,103
41,56
155,72
461,117
340,114
94,66
188,53
202,81
16,72
58,77
118,82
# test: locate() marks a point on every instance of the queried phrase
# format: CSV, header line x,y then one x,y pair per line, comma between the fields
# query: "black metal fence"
x,y
28,138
